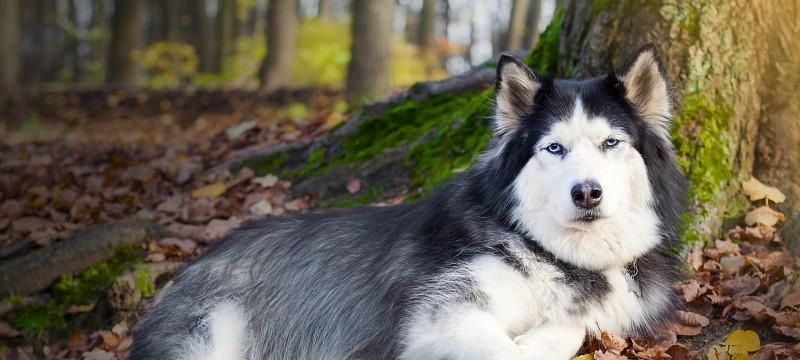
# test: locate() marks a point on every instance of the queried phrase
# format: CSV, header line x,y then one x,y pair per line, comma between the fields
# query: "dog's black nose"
x,y
587,195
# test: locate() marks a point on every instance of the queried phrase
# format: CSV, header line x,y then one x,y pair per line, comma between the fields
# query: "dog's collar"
x,y
629,272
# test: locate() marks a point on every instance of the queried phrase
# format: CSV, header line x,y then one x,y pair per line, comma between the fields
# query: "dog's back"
x,y
312,286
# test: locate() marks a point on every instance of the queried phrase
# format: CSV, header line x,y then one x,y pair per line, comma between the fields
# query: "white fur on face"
x,y
628,226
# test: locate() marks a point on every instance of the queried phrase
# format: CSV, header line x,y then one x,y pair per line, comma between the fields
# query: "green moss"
x,y
544,58
266,165
700,137
315,161
146,286
40,321
370,196
454,145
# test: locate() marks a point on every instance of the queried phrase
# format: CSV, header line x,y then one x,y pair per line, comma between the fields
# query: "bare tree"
x,y
126,36
516,25
282,23
202,36
172,20
9,42
370,54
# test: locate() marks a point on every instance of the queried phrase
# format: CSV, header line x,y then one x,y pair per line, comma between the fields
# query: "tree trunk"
x,y
732,72
282,23
426,35
532,24
203,40
325,9
516,25
226,22
9,42
172,20
370,53
126,36
777,160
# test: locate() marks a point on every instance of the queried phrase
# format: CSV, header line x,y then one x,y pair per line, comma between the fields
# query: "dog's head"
x,y
578,158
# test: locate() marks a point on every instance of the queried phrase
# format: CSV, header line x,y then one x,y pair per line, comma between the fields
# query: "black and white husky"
x,y
563,228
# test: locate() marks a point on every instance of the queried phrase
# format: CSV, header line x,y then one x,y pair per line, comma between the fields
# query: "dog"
x,y
563,228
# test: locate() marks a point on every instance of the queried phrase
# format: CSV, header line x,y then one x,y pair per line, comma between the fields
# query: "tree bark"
x,y
226,40
9,42
282,24
516,25
126,36
532,24
370,53
426,35
777,158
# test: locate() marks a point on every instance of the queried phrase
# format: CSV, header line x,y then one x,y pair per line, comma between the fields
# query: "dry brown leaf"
x,y
740,286
653,353
790,300
696,256
602,355
789,331
731,264
691,290
266,181
692,319
763,215
685,330
727,247
353,186
613,343
757,190
6,331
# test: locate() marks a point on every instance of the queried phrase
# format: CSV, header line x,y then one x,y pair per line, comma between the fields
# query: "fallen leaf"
x,y
692,319
217,228
6,331
763,215
266,181
186,246
80,309
235,131
353,186
613,343
696,256
742,342
756,190
727,247
584,357
110,340
740,286
262,207
210,191
731,264
678,352
789,331
790,300
603,355
98,354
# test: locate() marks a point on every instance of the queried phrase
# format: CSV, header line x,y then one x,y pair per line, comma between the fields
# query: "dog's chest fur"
x,y
545,292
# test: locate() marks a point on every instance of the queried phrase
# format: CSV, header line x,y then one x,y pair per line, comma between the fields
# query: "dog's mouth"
x,y
587,216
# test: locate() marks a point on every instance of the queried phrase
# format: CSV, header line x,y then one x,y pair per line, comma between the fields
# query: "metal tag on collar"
x,y
630,273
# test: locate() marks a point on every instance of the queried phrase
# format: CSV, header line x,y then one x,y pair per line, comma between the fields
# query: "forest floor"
x,y
153,159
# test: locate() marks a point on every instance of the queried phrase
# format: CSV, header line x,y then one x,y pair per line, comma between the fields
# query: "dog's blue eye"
x,y
555,148
610,143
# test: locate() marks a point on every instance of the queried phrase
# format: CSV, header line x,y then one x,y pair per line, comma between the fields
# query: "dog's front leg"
x,y
462,334
551,341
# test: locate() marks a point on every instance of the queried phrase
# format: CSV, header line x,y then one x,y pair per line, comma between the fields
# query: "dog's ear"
x,y
515,89
645,86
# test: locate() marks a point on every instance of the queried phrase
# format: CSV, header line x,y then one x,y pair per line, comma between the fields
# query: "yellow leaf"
x,y
212,191
756,190
742,342
763,215
584,357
